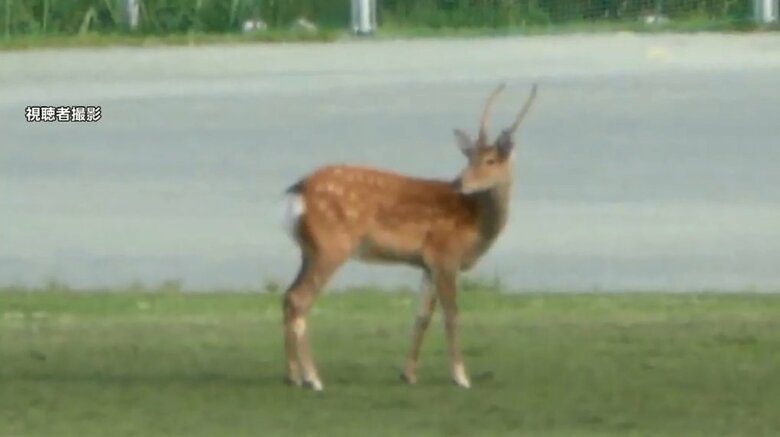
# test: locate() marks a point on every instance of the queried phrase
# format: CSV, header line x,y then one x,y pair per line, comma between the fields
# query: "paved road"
x,y
649,162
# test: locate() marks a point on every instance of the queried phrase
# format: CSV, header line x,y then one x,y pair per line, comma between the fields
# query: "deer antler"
x,y
486,114
511,130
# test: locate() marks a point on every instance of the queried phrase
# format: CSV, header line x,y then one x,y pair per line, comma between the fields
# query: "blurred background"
x,y
648,163
164,16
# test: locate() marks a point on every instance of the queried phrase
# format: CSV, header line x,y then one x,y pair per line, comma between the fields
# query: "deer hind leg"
x,y
298,299
427,304
447,291
290,338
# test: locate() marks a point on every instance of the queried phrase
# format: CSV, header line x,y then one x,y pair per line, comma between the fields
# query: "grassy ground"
x,y
22,42
389,31
147,364
687,26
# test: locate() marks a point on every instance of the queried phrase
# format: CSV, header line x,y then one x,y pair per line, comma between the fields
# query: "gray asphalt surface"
x,y
649,162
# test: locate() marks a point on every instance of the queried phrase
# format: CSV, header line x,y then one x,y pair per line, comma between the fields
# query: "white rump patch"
x,y
293,210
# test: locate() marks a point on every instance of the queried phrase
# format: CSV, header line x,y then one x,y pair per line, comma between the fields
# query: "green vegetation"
x,y
60,19
175,16
534,13
171,363
575,27
93,39
187,39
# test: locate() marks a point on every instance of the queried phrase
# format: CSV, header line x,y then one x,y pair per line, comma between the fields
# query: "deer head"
x,y
489,165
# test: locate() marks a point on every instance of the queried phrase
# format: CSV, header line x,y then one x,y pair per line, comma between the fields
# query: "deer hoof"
x,y
461,381
313,385
292,382
408,378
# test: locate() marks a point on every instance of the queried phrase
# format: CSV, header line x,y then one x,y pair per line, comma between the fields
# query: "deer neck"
x,y
493,211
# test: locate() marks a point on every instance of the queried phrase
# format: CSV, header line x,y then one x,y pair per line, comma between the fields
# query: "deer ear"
x,y
465,143
505,143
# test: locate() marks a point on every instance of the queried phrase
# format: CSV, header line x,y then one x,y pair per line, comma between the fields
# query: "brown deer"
x,y
442,227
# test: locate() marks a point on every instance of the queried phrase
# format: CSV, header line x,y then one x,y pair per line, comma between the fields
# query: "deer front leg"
x,y
423,319
447,291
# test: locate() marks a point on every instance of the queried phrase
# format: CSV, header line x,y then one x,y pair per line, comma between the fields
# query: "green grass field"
x,y
148,364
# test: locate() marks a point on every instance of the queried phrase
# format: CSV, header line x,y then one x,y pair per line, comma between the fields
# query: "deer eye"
x,y
490,161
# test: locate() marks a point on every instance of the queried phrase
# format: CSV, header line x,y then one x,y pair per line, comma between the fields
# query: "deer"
x,y
442,227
